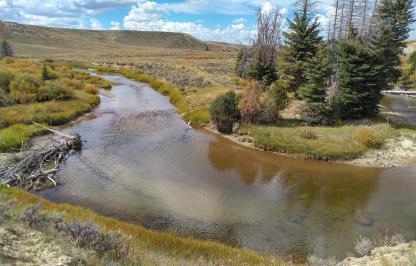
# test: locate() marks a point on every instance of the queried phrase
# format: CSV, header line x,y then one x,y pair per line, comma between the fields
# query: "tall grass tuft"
x,y
363,246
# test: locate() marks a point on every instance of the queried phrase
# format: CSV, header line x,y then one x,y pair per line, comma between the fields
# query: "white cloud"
x,y
226,7
149,16
96,24
267,7
62,13
114,25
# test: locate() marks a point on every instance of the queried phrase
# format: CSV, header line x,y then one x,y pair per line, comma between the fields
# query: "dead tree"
x,y
269,35
266,43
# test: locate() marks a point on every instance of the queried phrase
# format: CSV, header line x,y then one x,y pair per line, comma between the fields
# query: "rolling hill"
x,y
29,40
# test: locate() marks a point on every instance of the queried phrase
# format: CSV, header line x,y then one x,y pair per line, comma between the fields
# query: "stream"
x,y
144,165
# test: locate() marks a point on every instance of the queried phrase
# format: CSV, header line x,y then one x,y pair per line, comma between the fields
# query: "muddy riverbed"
x,y
144,165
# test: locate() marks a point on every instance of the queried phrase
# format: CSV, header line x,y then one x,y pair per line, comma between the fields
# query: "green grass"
x,y
14,136
199,116
51,113
324,143
147,246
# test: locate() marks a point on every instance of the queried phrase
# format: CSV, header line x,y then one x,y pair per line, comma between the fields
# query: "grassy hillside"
x,y
28,39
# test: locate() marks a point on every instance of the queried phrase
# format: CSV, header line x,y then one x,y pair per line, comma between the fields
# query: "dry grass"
x,y
150,247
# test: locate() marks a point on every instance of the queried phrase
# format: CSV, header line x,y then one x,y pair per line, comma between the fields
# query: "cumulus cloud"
x,y
226,7
149,16
114,25
96,24
62,13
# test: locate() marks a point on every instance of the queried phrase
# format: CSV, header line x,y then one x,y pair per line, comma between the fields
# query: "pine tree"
x,y
6,49
361,80
302,42
315,91
45,73
393,24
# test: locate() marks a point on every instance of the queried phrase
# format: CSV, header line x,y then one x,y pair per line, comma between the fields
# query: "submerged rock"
x,y
363,219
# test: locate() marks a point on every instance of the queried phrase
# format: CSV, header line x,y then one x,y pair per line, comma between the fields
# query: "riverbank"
x,y
367,143
398,147
31,232
400,254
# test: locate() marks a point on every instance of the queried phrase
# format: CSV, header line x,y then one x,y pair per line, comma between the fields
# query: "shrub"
x,y
363,246
273,101
5,209
73,83
107,85
45,74
91,89
31,215
5,78
5,100
369,138
249,105
53,90
224,111
25,83
88,235
41,221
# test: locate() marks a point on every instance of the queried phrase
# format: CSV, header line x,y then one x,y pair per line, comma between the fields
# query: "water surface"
x,y
144,165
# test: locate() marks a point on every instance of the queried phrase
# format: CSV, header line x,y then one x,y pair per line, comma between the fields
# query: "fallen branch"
x,y
32,172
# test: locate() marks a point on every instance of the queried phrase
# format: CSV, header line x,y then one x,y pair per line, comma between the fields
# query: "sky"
x,y
216,20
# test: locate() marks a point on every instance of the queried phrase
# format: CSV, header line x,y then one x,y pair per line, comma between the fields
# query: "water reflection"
x,y
144,165
311,202
406,106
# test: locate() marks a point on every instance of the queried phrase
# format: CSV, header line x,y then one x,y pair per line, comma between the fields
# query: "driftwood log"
x,y
39,168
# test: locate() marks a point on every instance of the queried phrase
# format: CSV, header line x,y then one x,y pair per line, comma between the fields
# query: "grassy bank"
x,y
323,143
43,92
290,136
144,247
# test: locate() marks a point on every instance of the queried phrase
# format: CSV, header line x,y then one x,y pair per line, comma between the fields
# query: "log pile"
x,y
39,168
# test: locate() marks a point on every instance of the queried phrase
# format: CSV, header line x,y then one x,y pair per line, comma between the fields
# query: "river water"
x,y
144,165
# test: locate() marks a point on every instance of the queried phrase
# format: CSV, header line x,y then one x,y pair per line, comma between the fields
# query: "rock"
x,y
363,219
407,143
401,254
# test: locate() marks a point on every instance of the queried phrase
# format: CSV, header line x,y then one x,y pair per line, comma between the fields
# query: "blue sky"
x,y
225,20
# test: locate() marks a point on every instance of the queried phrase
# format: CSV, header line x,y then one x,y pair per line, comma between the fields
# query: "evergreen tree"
x,y
302,42
6,49
45,73
360,82
393,24
315,91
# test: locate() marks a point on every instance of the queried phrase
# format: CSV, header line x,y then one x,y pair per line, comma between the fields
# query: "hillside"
x,y
28,40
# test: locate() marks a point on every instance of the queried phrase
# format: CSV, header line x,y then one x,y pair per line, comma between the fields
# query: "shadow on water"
x,y
144,165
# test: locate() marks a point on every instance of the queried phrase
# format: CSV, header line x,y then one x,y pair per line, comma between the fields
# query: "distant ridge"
x,y
43,38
